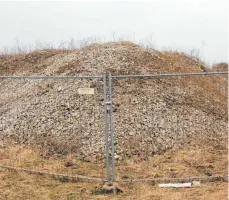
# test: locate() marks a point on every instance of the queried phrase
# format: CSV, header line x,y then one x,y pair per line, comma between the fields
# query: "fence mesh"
x,y
170,126
173,126
46,125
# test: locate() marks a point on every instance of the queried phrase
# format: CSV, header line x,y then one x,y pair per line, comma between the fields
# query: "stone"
x,y
111,188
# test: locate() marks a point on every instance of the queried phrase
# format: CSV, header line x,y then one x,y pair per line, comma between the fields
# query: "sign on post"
x,y
86,91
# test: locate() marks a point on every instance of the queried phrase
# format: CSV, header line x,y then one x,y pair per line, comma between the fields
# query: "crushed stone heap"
x,y
150,115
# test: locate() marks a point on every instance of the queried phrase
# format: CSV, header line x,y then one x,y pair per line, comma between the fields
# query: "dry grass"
x,y
198,157
37,159
22,186
191,161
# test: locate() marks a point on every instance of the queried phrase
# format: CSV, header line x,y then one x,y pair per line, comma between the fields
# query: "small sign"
x,y
86,91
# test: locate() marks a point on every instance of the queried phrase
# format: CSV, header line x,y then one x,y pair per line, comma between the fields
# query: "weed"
x,y
64,179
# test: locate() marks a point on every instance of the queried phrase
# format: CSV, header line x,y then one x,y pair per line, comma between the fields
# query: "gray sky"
x,y
175,24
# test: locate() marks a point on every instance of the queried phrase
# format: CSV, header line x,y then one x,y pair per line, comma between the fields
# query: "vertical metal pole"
x,y
112,129
106,129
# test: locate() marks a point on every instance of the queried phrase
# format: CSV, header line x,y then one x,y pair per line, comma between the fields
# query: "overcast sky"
x,y
175,24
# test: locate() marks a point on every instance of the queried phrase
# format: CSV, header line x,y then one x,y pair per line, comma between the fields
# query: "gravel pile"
x,y
150,115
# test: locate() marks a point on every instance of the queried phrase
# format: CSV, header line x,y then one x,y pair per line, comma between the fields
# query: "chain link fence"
x,y
115,127
53,124
169,125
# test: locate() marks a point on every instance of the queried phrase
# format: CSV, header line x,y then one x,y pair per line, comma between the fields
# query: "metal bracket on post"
x,y
107,103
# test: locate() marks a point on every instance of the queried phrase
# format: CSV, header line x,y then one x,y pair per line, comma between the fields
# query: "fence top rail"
x,y
166,75
51,77
113,76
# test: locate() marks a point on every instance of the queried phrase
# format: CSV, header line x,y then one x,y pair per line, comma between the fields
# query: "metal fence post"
x,y
106,130
112,129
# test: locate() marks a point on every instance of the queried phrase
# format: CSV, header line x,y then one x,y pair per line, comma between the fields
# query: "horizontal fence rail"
x,y
112,76
51,77
174,180
54,175
90,179
166,75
